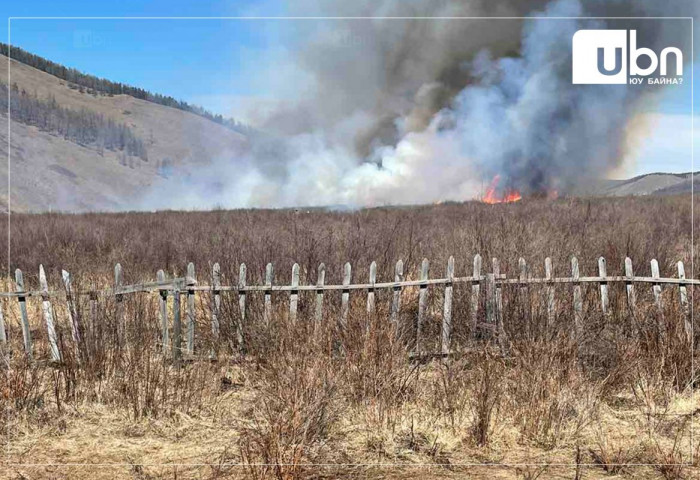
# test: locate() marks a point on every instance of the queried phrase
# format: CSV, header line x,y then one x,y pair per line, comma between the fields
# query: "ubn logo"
x,y
601,56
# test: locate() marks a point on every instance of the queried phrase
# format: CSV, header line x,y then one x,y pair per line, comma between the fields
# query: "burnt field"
x,y
298,401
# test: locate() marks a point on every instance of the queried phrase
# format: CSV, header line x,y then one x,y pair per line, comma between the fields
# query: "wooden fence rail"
x,y
490,284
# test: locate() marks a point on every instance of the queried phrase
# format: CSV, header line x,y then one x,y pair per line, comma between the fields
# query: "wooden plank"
x,y
476,285
490,299
631,294
72,316
119,306
318,316
524,299
163,313
396,298
345,297
447,309
549,291
498,304
656,289
190,281
683,297
48,317
370,290
269,278
241,305
578,298
3,332
294,294
26,331
215,310
602,272
422,304
177,327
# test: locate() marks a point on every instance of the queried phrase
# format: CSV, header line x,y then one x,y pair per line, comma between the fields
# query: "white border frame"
x,y
254,18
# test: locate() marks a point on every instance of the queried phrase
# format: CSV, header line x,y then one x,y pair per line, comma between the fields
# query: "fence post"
x,y
269,277
683,291
498,304
447,309
396,299
578,300
177,325
119,312
551,307
422,304
241,304
318,317
522,268
26,331
3,333
656,288
345,298
476,285
370,290
602,272
631,295
163,311
48,315
72,315
191,281
294,294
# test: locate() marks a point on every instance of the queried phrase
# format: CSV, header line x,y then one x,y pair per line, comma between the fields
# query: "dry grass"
x,y
300,403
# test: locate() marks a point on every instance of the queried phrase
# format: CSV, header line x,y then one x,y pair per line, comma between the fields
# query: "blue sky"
x,y
205,61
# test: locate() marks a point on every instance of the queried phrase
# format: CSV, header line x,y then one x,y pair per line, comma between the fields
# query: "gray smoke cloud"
x,y
401,111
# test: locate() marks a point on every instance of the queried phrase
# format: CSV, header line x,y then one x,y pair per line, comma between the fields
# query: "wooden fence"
x,y
490,284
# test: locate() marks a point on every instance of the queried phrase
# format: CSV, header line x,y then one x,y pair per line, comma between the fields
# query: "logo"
x,y
610,57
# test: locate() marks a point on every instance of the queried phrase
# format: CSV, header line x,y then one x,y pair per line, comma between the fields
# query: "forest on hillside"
x,y
95,84
80,126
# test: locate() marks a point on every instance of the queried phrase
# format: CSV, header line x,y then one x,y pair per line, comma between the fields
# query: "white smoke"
x,y
430,110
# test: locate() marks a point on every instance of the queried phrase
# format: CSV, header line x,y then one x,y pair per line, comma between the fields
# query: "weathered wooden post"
x,y
551,306
656,288
48,316
683,297
26,331
629,286
396,298
163,312
3,332
294,294
241,304
524,298
215,309
119,307
72,315
578,299
447,309
476,285
191,281
498,304
345,298
177,324
318,317
422,305
269,278
370,290
602,273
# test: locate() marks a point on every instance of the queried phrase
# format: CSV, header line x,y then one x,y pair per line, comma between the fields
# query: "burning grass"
x,y
305,404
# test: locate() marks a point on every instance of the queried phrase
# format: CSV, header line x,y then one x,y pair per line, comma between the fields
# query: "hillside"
x,y
49,172
648,184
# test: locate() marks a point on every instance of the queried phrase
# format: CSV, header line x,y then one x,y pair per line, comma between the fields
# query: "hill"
x,y
49,171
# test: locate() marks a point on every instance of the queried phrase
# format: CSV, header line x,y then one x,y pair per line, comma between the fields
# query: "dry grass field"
x,y
615,401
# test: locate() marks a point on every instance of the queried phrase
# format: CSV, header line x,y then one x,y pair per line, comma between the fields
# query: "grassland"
x,y
614,401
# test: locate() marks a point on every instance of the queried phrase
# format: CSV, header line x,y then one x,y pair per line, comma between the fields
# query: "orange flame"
x,y
492,196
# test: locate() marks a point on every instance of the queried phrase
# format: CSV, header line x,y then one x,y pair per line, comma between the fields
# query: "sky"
x,y
208,62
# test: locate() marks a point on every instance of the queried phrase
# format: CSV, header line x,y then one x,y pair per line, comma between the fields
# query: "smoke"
x,y
401,111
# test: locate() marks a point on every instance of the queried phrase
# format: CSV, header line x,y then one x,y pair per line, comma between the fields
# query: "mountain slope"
x,y
176,141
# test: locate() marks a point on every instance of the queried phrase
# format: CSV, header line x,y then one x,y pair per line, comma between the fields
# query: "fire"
x,y
507,196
